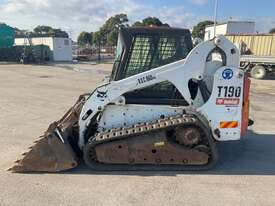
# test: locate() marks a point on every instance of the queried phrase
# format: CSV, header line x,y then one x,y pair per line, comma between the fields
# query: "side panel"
x,y
115,116
273,46
6,36
224,108
262,45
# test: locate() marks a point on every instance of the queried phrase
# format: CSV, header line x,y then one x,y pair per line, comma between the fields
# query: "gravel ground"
x,y
34,96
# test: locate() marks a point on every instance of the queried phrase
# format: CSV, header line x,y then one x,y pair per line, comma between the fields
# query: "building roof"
x,y
40,37
228,22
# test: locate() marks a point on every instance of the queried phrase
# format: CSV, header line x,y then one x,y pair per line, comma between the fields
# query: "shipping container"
x,y
61,48
255,44
7,34
257,53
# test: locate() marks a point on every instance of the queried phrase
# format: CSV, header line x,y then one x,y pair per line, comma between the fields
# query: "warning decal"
x,y
229,125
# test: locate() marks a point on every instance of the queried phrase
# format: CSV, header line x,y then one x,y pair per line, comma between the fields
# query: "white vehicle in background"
x,y
257,50
257,53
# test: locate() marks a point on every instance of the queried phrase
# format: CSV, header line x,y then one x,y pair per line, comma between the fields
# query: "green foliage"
x,y
138,23
97,37
41,30
60,33
38,53
150,21
85,38
45,31
112,38
199,29
272,31
108,33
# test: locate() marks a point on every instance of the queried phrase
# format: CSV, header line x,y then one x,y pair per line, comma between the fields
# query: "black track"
x,y
201,123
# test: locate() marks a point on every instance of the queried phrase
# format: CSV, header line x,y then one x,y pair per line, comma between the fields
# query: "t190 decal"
x,y
229,95
229,91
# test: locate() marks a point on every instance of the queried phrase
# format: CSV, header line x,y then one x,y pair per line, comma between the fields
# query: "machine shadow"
x,y
253,155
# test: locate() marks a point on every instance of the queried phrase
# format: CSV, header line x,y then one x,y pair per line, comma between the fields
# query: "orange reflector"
x,y
233,124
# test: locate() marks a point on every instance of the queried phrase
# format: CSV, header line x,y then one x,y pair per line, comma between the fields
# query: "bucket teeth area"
x,y
47,155
52,153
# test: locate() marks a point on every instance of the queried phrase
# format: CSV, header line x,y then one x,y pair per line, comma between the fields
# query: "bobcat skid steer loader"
x,y
165,107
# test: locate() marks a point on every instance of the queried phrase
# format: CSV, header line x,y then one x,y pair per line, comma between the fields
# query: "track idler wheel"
x,y
188,136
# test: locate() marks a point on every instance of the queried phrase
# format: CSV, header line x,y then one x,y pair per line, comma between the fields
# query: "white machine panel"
x,y
116,116
224,108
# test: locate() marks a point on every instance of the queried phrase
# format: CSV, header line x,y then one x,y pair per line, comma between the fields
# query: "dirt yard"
x,y
31,97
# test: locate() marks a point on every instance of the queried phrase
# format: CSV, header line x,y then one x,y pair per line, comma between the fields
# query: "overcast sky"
x,y
75,16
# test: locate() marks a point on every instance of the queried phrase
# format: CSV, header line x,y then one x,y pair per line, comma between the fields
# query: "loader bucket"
x,y
53,152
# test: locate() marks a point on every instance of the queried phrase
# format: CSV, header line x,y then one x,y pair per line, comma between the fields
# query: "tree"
x,y
110,29
112,38
43,30
97,37
151,21
138,23
60,33
85,38
199,29
272,31
47,30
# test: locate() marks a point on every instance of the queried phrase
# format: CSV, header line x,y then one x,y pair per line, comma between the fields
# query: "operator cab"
x,y
141,49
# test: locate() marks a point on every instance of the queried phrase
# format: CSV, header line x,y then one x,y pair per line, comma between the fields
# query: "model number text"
x,y
145,79
229,91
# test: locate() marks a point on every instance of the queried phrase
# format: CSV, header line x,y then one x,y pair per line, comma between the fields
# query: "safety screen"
x,y
148,52
146,49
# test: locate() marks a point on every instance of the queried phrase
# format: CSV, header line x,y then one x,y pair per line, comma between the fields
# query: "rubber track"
x,y
145,128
